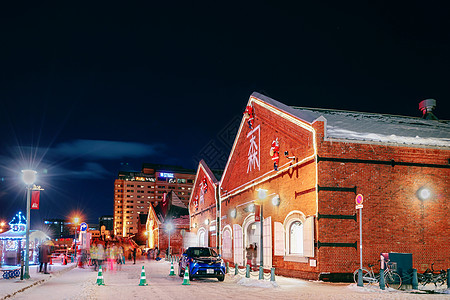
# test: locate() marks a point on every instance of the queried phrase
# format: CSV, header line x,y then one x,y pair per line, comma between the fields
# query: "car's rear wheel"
x,y
221,277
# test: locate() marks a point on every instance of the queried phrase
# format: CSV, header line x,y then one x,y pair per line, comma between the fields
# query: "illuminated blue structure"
x,y
12,242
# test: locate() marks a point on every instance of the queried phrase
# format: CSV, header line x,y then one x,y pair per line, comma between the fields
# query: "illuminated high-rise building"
x,y
135,191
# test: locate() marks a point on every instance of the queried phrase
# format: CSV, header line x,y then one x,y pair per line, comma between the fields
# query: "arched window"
x,y
296,238
299,237
227,243
201,239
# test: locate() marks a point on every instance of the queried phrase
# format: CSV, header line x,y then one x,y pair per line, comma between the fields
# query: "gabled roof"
x,y
213,175
170,208
370,127
208,172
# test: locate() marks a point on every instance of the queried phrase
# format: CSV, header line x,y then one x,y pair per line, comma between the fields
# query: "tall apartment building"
x,y
135,191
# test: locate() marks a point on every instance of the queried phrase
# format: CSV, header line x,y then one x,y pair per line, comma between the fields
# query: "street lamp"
x,y
28,176
76,220
2,224
262,194
169,228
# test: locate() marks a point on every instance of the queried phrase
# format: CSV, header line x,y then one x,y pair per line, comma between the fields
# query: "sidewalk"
x,y
10,287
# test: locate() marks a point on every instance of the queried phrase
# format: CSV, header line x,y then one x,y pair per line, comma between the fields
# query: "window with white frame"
x,y
299,237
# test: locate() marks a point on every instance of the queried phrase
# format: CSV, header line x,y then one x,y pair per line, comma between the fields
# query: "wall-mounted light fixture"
x,y
423,193
262,194
276,200
251,208
206,221
233,213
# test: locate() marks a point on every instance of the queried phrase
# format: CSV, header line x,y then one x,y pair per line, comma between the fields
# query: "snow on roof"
x,y
349,125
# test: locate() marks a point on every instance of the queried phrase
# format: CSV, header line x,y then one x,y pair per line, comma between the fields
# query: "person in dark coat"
x,y
44,258
134,255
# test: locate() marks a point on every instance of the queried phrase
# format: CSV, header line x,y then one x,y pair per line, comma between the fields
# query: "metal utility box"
x,y
402,264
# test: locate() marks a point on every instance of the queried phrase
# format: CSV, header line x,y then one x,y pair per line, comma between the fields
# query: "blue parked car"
x,y
202,262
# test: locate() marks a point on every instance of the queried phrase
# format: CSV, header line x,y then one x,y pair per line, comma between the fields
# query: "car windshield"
x,y
199,252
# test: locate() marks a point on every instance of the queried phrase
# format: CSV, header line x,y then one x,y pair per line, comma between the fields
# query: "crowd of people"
x,y
109,256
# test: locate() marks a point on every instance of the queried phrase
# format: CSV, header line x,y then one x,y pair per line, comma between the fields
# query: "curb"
x,y
39,282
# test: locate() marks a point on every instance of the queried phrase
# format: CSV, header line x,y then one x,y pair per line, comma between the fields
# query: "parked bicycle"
x,y
391,278
432,276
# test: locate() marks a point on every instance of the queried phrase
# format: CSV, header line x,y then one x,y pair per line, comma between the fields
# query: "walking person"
x,y
44,258
254,255
93,251
249,255
100,255
134,252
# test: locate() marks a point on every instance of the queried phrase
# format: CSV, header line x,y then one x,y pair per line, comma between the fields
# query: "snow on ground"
x,y
124,284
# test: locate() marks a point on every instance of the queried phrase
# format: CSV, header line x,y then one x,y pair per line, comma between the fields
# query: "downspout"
x,y
218,220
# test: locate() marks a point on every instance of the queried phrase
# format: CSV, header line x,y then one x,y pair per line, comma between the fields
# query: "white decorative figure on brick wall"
x,y
253,151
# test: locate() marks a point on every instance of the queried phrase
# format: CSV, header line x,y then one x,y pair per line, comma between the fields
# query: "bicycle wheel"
x,y
439,280
367,279
393,280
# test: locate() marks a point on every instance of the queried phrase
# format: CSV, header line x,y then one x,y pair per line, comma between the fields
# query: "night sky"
x,y
88,89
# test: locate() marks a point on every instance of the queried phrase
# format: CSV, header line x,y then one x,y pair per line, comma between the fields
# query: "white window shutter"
x,y
267,240
279,238
226,244
238,248
206,238
308,237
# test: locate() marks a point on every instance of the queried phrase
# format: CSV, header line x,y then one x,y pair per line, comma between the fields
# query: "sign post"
x,y
359,200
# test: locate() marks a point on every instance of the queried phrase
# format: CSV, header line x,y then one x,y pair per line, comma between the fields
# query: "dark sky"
x,y
85,87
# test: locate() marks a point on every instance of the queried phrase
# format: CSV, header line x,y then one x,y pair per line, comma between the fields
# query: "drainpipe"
x,y
218,220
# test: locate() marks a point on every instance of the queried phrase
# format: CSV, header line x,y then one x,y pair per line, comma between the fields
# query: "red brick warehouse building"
x,y
203,207
305,166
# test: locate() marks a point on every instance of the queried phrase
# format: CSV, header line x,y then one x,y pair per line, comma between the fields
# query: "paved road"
x,y
124,284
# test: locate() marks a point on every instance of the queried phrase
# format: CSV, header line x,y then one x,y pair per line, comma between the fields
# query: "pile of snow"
x,y
256,283
368,288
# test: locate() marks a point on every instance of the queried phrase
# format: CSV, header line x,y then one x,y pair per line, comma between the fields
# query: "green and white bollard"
x,y
247,271
448,278
415,281
261,273
227,269
236,269
382,283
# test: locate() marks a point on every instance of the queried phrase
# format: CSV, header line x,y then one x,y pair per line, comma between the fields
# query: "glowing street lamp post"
x,y
169,227
262,194
76,221
28,176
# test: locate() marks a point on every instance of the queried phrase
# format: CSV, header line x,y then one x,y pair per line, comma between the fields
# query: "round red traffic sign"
x,y
359,199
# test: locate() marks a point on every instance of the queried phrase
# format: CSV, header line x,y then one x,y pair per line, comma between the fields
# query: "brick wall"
x,y
295,186
207,209
394,218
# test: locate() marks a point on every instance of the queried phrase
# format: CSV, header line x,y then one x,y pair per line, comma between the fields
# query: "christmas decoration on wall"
x,y
250,115
196,203
204,185
275,153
